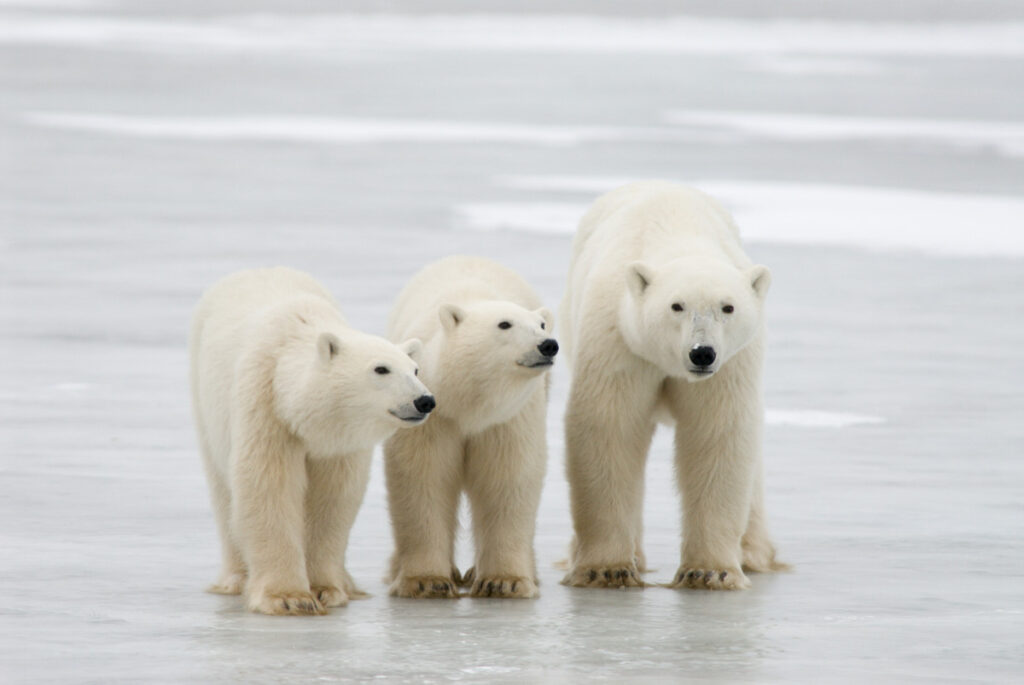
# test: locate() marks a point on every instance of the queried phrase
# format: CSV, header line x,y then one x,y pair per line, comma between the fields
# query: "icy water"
x,y
873,156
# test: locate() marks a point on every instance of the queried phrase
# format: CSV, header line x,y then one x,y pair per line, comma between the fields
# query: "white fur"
x,y
640,250
288,407
487,437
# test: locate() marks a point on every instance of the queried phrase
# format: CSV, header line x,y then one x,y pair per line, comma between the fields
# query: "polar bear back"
x,y
229,306
656,222
225,317
457,280
230,321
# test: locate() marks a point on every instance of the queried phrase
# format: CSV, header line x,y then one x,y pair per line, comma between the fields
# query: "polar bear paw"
x,y
229,584
761,559
514,587
330,595
614,576
351,589
710,579
287,603
424,587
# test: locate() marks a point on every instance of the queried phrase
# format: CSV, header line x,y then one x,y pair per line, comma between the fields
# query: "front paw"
x,y
330,595
466,579
350,587
761,559
286,603
624,574
710,579
515,587
230,584
424,587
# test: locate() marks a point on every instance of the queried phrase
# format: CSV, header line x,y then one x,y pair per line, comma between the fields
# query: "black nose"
x,y
424,404
702,355
549,348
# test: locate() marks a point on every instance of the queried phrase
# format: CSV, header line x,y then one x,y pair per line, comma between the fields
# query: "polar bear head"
x,y
498,337
350,390
486,361
690,316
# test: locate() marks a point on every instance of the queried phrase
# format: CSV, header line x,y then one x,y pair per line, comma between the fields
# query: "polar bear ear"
x,y
549,319
451,316
412,347
760,279
638,277
328,346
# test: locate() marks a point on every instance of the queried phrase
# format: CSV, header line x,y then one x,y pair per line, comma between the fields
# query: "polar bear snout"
x,y
415,411
704,361
424,404
548,348
541,356
702,356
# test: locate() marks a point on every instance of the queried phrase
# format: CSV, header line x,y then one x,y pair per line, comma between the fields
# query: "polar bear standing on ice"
x,y
289,403
662,318
487,347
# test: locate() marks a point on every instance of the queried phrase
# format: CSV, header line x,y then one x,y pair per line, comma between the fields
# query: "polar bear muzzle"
x,y
417,410
703,360
702,356
543,356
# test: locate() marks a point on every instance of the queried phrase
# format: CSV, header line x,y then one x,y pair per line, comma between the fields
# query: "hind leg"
x,y
231,580
758,550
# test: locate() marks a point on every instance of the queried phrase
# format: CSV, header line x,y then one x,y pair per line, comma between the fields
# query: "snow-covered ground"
x,y
874,162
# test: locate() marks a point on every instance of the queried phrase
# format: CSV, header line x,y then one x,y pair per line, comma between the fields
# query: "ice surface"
x,y
352,131
893,380
809,418
1006,137
519,32
798,213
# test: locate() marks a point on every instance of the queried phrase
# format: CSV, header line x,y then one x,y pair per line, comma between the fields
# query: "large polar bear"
x,y
662,319
487,345
289,403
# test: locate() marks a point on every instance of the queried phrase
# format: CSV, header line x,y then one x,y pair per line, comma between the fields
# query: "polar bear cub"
x,y
487,348
289,403
663,318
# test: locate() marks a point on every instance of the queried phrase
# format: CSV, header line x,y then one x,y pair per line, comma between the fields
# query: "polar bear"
x,y
487,346
662,319
289,403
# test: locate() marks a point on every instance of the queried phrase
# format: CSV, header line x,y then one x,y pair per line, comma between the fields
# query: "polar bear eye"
x,y
728,309
542,326
504,325
676,307
382,370
415,372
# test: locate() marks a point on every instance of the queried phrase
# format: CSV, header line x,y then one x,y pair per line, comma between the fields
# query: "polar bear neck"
x,y
481,408
473,400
